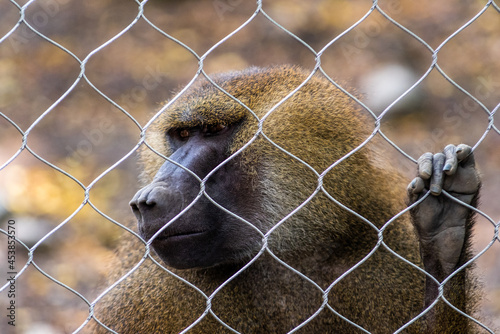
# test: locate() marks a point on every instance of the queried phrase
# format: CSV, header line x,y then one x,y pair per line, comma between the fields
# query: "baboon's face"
x,y
187,216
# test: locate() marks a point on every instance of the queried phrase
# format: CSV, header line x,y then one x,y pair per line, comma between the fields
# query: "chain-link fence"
x,y
80,82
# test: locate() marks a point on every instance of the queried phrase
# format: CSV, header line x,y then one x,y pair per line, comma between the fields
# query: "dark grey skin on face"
x,y
203,236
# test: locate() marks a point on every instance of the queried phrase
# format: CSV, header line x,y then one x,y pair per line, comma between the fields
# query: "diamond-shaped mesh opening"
x,y
84,84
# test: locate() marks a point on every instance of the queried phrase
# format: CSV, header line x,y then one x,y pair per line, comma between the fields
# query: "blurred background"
x,y
84,134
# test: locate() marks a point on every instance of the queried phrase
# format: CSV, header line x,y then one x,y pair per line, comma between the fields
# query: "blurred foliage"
x,y
84,135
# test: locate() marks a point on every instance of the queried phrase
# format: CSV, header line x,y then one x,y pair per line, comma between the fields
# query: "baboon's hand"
x,y
441,222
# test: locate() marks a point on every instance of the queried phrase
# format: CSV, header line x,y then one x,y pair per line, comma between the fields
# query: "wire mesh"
x,y
37,26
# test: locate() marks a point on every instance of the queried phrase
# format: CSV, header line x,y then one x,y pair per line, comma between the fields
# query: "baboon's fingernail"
x,y
435,190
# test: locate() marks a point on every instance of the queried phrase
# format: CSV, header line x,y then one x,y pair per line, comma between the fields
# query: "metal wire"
x,y
258,13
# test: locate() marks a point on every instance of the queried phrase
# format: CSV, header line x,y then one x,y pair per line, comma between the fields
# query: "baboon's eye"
x,y
213,129
181,134
184,133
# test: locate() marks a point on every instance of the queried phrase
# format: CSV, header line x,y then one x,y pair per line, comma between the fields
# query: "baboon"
x,y
269,215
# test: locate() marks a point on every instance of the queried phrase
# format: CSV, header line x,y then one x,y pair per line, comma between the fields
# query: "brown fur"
x,y
322,240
